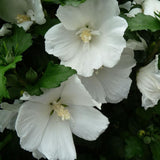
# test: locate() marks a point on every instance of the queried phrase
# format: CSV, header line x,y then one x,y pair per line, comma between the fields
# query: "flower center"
x,y
22,18
60,110
86,35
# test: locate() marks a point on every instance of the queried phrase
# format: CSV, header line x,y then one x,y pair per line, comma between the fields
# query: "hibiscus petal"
x,y
5,119
36,6
50,95
111,42
94,87
116,81
74,93
91,12
87,122
57,142
31,123
58,39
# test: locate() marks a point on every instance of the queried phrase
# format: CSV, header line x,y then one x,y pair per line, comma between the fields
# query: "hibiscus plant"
x,y
80,79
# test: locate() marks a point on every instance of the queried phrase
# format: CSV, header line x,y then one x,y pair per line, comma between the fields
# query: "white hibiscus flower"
x,y
45,123
5,29
151,6
111,84
89,36
148,82
22,12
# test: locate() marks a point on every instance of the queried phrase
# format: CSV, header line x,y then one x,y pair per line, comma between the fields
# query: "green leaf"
x,y
72,2
133,147
143,22
66,2
53,76
155,149
3,91
19,42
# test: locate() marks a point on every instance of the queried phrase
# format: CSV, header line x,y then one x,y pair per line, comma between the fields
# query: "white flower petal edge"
x,y
45,123
126,5
86,42
133,12
151,6
22,12
8,115
115,82
148,82
75,17
5,29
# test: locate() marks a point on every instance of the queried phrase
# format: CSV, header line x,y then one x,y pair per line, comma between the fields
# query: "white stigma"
x,y
60,110
22,18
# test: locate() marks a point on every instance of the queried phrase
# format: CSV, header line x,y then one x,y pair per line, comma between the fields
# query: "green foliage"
x,y
133,147
143,22
52,77
42,29
3,69
155,149
11,48
18,42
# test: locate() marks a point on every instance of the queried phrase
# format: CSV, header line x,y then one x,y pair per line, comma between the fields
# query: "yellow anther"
x,y
86,35
60,110
22,18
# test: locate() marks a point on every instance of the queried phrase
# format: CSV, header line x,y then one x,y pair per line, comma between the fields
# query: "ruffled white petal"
x,y
8,115
84,58
31,124
36,6
62,43
111,43
5,29
57,141
116,81
5,119
126,5
148,82
91,12
133,12
38,155
94,87
25,25
74,93
111,83
151,6
87,122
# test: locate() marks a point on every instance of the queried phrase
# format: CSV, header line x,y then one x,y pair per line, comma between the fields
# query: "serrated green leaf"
x,y
3,90
133,147
143,22
53,76
18,42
